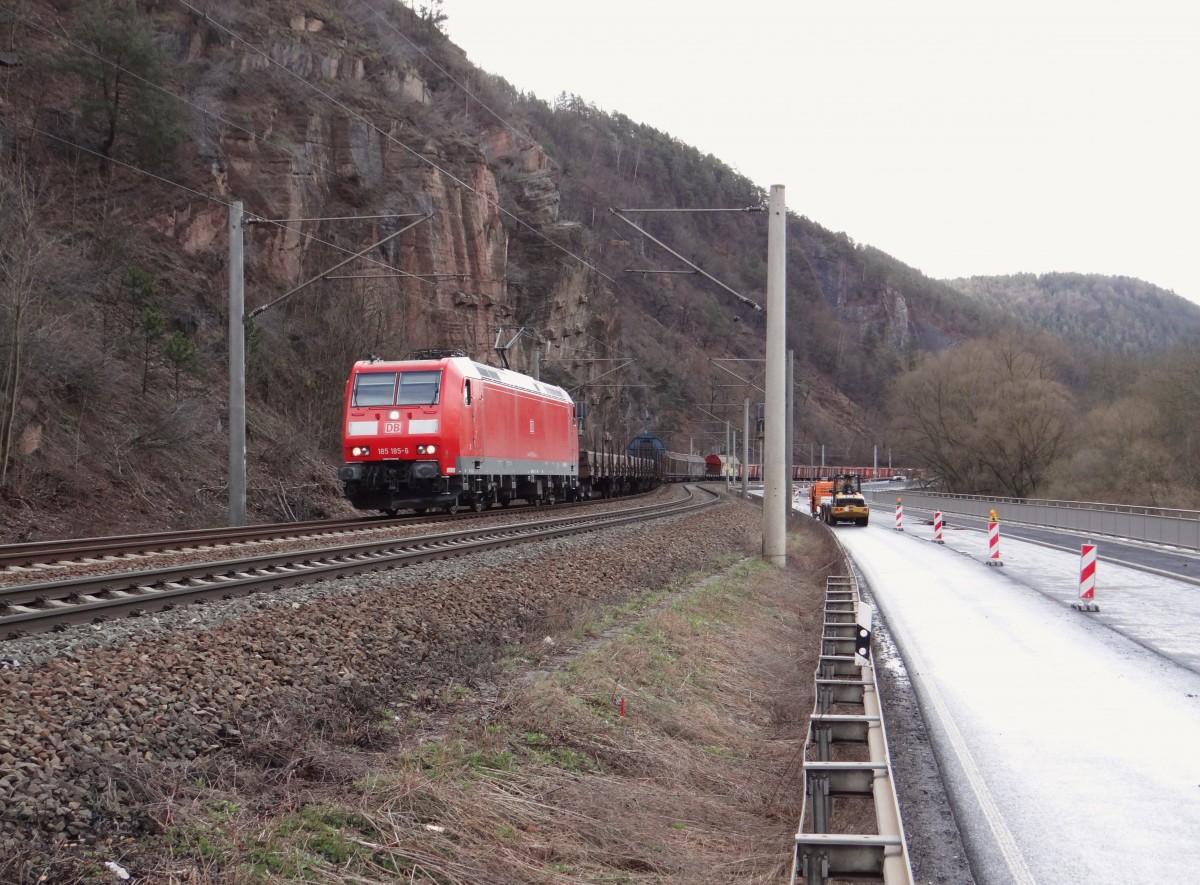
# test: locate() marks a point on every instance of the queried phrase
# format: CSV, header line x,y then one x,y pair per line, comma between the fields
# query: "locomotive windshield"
x,y
419,388
379,388
375,389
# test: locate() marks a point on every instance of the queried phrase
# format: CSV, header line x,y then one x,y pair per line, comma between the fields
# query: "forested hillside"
x,y
484,216
1114,314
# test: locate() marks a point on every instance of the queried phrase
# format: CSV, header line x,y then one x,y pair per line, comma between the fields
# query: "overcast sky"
x,y
962,138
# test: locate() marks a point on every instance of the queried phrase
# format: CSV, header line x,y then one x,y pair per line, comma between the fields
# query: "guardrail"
x,y
846,760
1156,525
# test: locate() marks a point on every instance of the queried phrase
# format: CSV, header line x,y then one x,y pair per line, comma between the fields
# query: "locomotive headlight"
x,y
394,415
426,450
360,451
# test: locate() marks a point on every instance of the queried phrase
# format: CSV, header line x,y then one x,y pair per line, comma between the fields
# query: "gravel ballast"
x,y
97,724
90,715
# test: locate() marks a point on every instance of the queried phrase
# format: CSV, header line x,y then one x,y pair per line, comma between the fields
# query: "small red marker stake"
x,y
622,706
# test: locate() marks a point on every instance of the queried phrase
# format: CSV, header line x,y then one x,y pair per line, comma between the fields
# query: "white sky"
x,y
962,138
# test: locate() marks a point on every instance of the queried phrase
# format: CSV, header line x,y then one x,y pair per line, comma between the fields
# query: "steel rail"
x,y
34,553
75,549
30,593
55,605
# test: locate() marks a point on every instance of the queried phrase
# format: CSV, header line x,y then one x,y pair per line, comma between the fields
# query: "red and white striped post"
x,y
1087,579
937,527
994,540
899,516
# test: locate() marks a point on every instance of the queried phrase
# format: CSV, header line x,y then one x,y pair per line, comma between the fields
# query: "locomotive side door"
x,y
473,403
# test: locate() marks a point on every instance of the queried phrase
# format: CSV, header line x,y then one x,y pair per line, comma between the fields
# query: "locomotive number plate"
x,y
395,450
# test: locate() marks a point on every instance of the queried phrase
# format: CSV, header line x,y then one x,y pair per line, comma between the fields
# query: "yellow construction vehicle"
x,y
838,499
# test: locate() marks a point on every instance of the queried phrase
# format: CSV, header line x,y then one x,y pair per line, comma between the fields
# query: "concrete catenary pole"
x,y
791,410
728,454
775,501
237,370
733,454
746,448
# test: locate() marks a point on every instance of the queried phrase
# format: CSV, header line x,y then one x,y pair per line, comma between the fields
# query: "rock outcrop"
x,y
331,180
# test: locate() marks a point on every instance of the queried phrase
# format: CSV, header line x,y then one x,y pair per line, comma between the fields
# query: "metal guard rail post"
x,y
819,854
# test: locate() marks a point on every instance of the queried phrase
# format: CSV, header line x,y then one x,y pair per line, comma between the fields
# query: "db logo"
x,y
391,426
531,430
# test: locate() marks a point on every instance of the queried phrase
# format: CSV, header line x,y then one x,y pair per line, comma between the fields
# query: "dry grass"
x,y
699,780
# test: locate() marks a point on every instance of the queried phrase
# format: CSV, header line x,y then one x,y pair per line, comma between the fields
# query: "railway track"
x,y
74,550
26,555
59,604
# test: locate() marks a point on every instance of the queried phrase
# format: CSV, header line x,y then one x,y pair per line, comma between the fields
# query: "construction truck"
x,y
838,499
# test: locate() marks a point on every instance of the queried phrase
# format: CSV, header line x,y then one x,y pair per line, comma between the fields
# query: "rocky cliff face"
x,y
875,310
304,163
386,154
336,125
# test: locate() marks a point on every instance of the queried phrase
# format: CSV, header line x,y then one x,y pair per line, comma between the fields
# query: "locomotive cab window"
x,y
419,388
375,389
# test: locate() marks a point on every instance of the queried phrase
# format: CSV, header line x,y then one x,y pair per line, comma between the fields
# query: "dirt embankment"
x,y
588,710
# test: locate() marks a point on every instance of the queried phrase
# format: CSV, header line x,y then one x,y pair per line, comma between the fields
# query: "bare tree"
x,y
1143,447
25,254
1121,458
1175,388
433,17
988,417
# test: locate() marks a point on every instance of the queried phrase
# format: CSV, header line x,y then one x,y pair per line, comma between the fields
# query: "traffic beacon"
x,y
1087,580
994,539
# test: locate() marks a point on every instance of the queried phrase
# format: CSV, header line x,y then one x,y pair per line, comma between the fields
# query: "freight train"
x,y
608,474
722,467
672,466
806,473
441,431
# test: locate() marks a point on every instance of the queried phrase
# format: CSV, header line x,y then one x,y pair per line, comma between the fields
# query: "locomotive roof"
x,y
470,369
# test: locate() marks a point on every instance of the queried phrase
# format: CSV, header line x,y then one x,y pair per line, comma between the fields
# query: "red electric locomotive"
x,y
442,431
